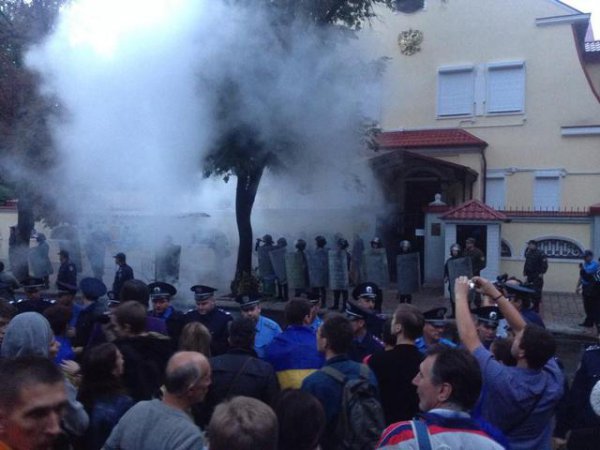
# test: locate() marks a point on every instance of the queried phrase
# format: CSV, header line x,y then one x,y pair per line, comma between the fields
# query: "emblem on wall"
x,y
410,41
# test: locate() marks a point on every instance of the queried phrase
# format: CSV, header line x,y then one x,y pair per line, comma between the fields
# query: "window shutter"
x,y
506,88
456,92
546,193
494,192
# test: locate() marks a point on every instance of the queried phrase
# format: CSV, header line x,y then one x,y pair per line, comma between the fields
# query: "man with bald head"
x,y
165,423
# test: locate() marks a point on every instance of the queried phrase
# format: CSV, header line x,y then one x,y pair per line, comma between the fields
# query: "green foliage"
x,y
245,283
26,150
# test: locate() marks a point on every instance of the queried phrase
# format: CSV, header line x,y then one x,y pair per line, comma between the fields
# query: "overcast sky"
x,y
589,6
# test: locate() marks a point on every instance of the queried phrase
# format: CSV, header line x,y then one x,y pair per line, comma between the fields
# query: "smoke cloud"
x,y
138,82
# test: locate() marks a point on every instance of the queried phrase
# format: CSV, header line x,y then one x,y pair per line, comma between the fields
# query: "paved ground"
x,y
561,312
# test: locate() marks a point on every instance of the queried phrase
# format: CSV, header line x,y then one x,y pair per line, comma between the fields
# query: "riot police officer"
x,y
123,274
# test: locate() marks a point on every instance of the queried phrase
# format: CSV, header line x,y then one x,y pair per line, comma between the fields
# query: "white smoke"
x,y
138,81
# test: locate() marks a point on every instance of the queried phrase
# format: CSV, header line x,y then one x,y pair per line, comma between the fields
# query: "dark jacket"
x,y
145,358
123,274
104,415
395,370
217,322
237,372
364,347
536,263
85,323
67,276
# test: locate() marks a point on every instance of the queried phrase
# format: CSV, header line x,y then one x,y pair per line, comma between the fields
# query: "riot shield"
x,y
265,268
318,268
375,267
409,273
338,270
458,267
295,266
277,257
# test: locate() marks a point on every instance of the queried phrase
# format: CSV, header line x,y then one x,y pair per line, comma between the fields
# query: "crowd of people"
x,y
133,372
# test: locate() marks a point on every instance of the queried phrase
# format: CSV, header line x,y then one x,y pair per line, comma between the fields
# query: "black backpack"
x,y
361,420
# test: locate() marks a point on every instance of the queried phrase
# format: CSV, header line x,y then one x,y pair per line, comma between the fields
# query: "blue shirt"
x,y
316,324
508,395
589,268
422,345
266,330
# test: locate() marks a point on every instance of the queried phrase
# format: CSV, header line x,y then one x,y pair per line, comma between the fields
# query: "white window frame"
x,y
450,70
490,67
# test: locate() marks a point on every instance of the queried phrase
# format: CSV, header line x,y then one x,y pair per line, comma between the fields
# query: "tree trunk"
x,y
25,224
247,186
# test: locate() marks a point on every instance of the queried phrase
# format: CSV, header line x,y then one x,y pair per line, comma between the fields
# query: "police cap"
x,y
435,317
368,290
202,292
159,290
355,312
120,256
488,314
247,301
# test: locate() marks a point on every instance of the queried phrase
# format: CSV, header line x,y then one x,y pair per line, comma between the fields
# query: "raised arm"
x,y
510,313
464,321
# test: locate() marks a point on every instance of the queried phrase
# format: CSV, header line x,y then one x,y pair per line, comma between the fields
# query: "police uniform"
x,y
173,318
490,316
367,344
217,320
435,317
266,329
32,305
124,273
66,279
375,322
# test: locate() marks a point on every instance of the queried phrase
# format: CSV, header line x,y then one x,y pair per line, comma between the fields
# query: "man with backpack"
x,y
346,389
448,384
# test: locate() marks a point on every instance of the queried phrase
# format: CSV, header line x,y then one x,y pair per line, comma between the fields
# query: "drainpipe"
x,y
484,170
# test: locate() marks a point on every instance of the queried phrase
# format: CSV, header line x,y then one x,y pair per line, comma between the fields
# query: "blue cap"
x,y
160,289
202,292
92,288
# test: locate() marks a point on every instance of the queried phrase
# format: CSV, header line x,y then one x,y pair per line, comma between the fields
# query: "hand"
x,y
461,288
70,367
486,287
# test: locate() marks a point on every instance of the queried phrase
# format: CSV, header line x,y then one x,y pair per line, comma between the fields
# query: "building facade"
x,y
496,101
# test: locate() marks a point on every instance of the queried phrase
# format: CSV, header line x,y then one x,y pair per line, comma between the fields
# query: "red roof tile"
x,y
446,137
474,210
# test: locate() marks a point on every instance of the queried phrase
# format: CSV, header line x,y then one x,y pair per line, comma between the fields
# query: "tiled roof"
x,y
592,46
474,210
447,137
